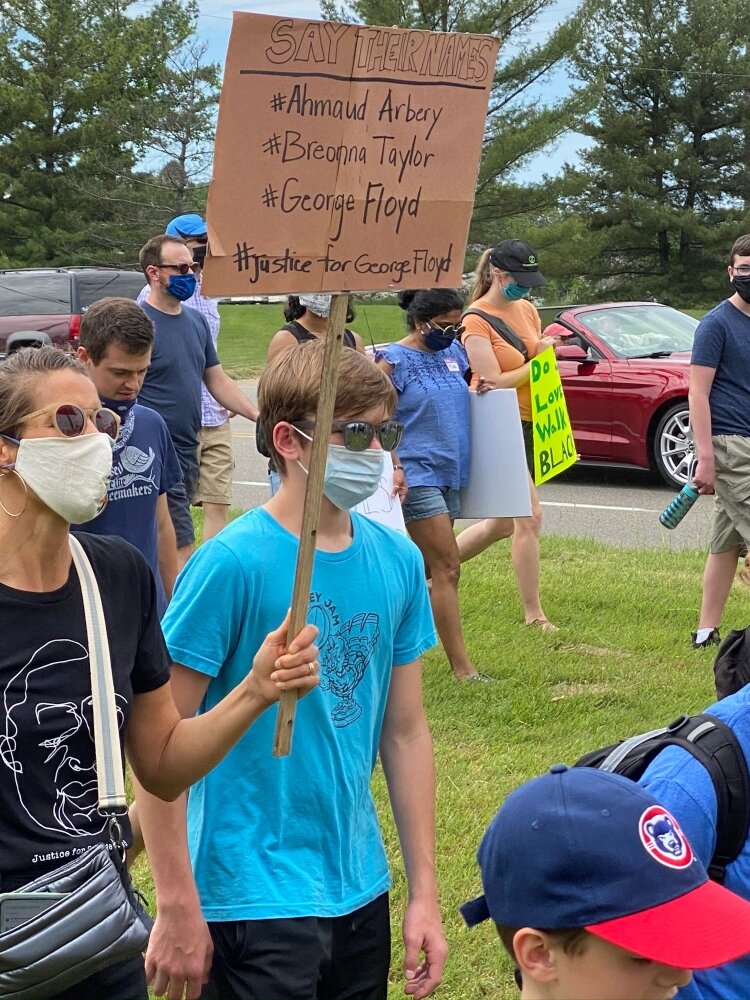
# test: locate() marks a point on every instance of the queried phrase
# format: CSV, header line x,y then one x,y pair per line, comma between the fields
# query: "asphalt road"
x,y
619,506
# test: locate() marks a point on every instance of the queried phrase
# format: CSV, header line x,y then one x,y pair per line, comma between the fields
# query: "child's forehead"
x,y
372,415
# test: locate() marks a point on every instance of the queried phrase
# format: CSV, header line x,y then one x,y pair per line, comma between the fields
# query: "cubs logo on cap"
x,y
662,837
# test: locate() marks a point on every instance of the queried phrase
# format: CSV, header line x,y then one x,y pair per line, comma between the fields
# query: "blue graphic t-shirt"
x,y
433,405
144,465
722,341
297,836
683,785
183,350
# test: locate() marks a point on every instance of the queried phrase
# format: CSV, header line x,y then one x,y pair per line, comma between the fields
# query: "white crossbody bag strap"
x,y
109,770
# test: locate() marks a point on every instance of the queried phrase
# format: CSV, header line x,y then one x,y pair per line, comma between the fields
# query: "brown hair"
x,y
151,252
290,385
572,940
482,277
115,321
18,376
740,248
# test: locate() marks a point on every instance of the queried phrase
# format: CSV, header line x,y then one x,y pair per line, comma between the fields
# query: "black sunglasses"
x,y
180,268
359,434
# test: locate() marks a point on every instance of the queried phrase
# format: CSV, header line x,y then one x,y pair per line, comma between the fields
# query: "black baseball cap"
x,y
519,260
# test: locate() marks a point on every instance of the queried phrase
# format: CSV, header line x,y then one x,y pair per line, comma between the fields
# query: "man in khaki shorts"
x,y
720,417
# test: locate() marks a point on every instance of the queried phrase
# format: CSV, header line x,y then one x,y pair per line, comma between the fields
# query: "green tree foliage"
x,y
181,134
665,188
80,83
531,107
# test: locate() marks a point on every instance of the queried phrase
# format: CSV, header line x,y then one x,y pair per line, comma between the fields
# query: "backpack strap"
x,y
502,330
715,746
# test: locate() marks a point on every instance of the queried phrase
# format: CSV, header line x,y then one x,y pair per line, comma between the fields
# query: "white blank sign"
x,y
499,480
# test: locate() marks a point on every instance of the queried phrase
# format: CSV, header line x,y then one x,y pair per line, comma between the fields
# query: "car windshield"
x,y
27,294
642,331
95,285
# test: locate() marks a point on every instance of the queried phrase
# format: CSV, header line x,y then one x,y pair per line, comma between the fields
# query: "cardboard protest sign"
x,y
554,447
346,157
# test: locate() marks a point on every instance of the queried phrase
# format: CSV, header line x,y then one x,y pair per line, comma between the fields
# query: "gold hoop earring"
x,y
25,490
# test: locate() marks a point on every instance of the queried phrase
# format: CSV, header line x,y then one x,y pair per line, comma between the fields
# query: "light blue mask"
x,y
514,291
350,476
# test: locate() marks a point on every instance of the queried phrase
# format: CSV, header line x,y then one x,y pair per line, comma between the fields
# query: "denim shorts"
x,y
429,501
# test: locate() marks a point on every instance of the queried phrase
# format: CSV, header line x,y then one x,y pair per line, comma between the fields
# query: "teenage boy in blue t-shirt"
x,y
115,344
287,854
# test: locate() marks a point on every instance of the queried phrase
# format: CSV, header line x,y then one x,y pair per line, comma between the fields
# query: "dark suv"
x,y
44,305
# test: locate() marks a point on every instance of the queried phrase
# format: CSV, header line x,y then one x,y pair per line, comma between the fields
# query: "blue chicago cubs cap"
x,y
579,847
187,227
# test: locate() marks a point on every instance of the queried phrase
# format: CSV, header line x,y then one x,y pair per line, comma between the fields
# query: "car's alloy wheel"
x,y
674,450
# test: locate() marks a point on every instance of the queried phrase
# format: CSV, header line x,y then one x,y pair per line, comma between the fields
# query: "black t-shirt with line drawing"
x,y
48,791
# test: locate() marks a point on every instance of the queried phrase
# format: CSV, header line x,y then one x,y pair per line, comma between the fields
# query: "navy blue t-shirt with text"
x,y
144,465
722,341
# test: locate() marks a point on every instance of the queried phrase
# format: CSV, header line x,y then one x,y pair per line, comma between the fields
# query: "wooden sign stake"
x,y
282,740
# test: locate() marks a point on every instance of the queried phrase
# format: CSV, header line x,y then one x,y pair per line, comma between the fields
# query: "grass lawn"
x,y
621,663
246,331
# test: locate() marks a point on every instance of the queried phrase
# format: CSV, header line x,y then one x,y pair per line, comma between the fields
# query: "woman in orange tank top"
x,y
504,277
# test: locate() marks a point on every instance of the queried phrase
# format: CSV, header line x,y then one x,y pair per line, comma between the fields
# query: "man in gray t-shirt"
x,y
720,417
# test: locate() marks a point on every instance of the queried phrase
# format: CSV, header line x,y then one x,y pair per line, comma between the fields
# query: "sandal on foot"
x,y
544,624
479,678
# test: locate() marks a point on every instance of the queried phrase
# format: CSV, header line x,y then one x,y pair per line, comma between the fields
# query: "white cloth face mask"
x,y
69,475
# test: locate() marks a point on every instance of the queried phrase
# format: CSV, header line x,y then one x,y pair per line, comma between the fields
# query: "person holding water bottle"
x,y
719,399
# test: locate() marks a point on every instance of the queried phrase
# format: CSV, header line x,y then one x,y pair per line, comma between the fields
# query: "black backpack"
x,y
712,743
502,329
732,663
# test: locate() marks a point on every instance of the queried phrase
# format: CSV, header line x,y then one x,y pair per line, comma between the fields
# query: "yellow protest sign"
x,y
554,447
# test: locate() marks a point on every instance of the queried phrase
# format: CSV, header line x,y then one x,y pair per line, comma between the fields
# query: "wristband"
x,y
398,468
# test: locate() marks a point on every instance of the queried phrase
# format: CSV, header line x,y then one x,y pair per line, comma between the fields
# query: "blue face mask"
x,y
181,286
436,338
514,291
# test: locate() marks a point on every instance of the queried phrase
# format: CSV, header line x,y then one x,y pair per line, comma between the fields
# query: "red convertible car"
x,y
624,367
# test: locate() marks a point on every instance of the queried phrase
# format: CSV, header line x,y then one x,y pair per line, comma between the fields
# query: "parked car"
x,y
44,305
624,367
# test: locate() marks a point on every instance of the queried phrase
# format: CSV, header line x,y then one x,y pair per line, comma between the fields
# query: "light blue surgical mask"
x,y
182,286
350,476
513,291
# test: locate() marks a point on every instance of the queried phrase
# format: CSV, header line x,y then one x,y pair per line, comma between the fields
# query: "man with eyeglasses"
x,y
287,854
184,359
720,416
215,460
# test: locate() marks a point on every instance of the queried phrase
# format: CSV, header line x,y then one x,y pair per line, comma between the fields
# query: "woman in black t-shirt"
x,y
307,319
55,460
